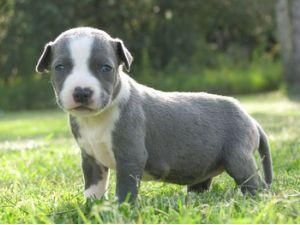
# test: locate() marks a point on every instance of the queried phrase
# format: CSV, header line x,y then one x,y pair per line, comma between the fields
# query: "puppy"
x,y
143,133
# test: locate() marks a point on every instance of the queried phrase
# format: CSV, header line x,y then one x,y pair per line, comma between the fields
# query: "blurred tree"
x,y
6,14
295,82
285,36
288,23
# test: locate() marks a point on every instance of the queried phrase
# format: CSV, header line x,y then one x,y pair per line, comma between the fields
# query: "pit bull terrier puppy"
x,y
143,133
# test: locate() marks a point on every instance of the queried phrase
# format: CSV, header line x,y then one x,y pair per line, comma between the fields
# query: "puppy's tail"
x,y
265,155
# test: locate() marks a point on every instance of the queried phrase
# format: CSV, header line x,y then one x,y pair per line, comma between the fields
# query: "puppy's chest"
x,y
96,140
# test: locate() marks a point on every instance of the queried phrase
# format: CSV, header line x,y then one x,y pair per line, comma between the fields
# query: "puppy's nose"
x,y
82,95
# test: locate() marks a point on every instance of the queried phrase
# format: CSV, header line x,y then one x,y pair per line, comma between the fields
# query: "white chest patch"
x,y
96,136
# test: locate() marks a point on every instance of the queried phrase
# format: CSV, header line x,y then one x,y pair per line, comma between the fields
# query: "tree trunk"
x,y
285,37
295,16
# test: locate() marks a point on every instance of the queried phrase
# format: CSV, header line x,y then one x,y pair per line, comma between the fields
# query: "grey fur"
x,y
191,137
182,138
265,155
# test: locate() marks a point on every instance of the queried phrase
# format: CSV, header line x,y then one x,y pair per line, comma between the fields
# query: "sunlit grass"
x,y
41,180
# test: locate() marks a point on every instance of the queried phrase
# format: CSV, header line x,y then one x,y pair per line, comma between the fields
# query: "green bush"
x,y
35,93
228,78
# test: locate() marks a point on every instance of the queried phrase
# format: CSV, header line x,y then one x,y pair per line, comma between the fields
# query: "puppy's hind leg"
x,y
200,187
242,168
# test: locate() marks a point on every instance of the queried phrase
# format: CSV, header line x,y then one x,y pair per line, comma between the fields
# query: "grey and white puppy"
x,y
142,133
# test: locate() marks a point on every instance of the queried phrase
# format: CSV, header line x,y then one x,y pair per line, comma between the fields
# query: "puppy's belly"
x,y
182,176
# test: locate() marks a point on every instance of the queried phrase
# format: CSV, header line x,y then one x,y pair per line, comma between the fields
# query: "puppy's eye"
x,y
59,68
105,68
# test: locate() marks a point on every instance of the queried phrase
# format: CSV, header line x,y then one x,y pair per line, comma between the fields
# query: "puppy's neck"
x,y
124,93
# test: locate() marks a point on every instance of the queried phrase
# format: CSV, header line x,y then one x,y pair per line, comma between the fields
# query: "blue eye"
x,y
59,68
105,68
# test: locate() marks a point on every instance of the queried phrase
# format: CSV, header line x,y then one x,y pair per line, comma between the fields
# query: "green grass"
x,y
41,180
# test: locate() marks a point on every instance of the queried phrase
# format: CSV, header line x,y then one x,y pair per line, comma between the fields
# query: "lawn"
x,y
41,179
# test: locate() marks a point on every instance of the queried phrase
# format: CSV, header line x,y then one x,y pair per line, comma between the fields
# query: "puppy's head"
x,y
85,64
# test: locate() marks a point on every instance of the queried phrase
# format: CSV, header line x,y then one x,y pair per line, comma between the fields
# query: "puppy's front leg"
x,y
131,157
128,180
95,176
130,153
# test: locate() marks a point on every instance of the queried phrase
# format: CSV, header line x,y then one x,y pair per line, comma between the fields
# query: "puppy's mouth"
x,y
82,108
82,111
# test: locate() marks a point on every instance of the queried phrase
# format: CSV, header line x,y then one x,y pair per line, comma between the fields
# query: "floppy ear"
x,y
123,54
44,60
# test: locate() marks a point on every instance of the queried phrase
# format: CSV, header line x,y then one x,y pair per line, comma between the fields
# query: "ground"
x,y
41,179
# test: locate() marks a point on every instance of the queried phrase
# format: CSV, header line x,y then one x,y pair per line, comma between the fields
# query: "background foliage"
x,y
225,47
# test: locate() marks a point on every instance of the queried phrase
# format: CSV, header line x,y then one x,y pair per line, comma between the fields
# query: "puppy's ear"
x,y
123,53
45,59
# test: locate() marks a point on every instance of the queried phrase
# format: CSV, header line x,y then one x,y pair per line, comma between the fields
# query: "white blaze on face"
x,y
81,76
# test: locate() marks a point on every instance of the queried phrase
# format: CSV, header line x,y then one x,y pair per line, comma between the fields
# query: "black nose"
x,y
82,95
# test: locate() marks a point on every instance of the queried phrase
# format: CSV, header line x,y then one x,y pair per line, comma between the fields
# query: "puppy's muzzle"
x,y
82,95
